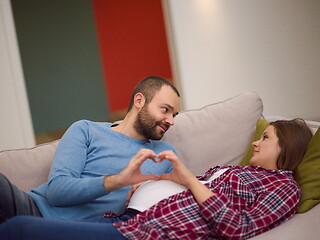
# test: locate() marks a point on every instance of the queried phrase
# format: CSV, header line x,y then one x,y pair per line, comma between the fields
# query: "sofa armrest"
x,y
28,167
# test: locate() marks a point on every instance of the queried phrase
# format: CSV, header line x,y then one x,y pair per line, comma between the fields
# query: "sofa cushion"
x,y
28,167
308,175
217,134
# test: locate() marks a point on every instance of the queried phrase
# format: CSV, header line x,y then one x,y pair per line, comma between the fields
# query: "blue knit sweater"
x,y
88,152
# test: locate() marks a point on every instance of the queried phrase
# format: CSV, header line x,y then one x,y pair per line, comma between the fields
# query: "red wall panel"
x,y
133,45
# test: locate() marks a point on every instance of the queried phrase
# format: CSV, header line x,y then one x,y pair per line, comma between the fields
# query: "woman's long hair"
x,y
294,137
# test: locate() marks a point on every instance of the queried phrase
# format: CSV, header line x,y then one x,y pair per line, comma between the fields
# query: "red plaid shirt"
x,y
248,201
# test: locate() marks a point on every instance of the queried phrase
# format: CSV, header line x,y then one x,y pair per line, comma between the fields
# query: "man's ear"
x,y
139,100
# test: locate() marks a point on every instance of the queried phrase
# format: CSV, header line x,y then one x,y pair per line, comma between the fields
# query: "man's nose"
x,y
170,120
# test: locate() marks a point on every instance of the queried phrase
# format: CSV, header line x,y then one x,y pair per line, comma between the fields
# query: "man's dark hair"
x,y
149,86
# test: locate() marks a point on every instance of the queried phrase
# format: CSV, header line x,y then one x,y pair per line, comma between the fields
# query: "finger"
x,y
169,155
164,153
166,176
144,155
138,159
174,160
145,152
130,193
138,185
150,177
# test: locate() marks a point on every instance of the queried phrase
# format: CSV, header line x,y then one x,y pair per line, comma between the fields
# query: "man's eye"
x,y
165,109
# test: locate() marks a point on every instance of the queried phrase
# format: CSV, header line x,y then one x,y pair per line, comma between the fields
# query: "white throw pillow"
x,y
217,134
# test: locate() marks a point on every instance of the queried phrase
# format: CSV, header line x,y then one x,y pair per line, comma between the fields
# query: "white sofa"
x,y
217,134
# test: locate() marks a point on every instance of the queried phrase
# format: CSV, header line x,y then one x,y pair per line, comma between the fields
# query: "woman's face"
x,y
266,150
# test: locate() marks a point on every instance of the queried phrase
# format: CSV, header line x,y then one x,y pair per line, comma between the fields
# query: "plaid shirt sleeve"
x,y
271,208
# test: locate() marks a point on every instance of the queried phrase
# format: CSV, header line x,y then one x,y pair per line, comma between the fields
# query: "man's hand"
x,y
132,191
131,174
180,173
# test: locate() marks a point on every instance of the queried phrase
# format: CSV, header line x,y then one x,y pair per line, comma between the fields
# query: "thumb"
x,y
150,177
130,193
166,176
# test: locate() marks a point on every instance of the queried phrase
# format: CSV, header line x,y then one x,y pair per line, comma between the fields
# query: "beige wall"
x,y
221,48
15,122
225,47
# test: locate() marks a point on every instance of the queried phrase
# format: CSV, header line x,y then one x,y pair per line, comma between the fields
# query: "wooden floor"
x,y
54,135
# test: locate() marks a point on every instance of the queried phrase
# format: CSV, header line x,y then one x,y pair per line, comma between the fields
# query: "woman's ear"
x,y
139,100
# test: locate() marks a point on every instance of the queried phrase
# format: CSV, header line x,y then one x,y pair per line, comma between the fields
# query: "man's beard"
x,y
146,125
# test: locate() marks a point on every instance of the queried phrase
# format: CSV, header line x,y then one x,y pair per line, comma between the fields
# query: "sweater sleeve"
x,y
65,185
268,210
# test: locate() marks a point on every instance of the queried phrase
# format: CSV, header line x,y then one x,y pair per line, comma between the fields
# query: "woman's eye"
x,y
264,137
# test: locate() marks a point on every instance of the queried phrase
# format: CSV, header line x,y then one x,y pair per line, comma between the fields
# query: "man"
x,y
90,174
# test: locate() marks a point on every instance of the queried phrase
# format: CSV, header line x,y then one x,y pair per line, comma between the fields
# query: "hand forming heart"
x,y
132,174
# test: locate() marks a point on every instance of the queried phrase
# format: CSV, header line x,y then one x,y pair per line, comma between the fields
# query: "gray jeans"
x,y
14,202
